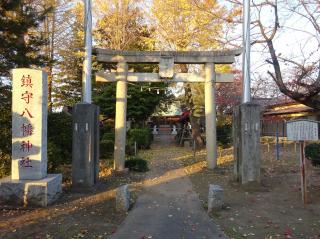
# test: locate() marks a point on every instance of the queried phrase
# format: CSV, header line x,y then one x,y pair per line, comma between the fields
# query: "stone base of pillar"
x,y
31,193
85,145
246,142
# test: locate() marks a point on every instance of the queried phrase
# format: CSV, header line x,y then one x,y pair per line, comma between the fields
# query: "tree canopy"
x,y
20,43
192,25
122,27
67,84
49,34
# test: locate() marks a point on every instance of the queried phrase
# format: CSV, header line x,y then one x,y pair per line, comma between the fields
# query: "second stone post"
x,y
246,143
210,109
121,115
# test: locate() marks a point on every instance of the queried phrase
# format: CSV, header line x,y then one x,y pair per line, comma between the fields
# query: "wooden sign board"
x,y
303,130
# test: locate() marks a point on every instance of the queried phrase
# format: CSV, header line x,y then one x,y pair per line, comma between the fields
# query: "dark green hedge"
x,y
5,164
59,140
312,152
106,148
224,135
5,129
142,136
108,136
137,164
105,128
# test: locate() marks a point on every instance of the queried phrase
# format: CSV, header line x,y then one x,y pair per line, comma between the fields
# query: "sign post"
x,y
303,173
303,130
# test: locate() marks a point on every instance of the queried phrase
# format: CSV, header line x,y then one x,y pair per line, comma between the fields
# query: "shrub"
x,y
142,136
59,140
105,128
106,148
108,136
5,164
5,119
312,152
224,135
5,129
130,148
53,152
137,164
107,145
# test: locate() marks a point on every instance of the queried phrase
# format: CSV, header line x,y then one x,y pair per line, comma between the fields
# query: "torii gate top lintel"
x,y
166,61
183,57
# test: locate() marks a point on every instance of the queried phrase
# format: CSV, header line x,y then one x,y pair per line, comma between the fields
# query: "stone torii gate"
x,y
166,61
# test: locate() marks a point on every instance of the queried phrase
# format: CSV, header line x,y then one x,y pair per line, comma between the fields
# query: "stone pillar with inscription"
x,y
85,146
246,143
29,184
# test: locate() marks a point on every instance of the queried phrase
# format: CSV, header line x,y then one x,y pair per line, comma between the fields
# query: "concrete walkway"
x,y
167,208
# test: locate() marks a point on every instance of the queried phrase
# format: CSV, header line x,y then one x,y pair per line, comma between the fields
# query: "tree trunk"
x,y
51,57
196,132
310,98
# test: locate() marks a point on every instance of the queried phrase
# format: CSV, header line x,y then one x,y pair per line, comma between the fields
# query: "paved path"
x,y
167,208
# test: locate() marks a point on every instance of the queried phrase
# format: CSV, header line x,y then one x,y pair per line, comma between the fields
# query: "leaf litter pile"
x,y
272,210
89,214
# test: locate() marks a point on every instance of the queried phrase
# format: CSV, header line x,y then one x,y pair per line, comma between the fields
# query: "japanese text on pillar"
x,y
26,128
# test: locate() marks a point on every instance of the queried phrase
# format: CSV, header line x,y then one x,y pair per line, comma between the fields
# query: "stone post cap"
x,y
214,189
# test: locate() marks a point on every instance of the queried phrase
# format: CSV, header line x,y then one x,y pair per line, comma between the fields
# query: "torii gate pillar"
x,y
121,115
210,110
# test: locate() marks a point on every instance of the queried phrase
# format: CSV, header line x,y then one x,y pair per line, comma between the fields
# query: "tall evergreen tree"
x,y
142,102
67,85
5,128
20,44
55,28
